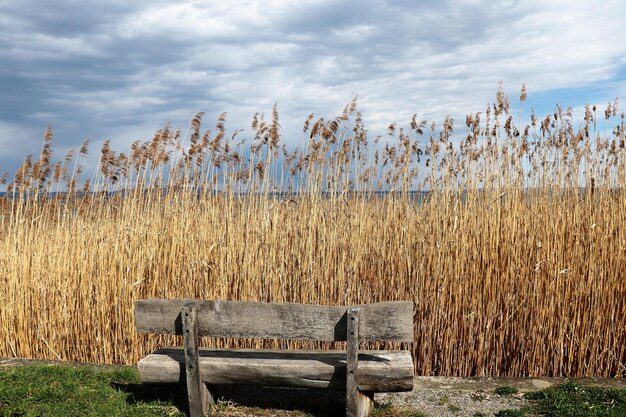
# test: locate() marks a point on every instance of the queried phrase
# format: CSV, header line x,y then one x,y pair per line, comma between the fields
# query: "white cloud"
x,y
37,46
127,68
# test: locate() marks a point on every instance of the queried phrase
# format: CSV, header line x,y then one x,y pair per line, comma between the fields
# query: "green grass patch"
x,y
506,390
572,400
65,391
511,413
575,400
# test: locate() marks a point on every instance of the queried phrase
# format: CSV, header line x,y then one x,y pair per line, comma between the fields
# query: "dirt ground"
x,y
460,397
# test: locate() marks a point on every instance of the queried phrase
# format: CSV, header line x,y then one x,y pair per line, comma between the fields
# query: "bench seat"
x,y
378,370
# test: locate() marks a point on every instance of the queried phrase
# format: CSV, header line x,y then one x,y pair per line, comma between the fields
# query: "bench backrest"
x,y
385,321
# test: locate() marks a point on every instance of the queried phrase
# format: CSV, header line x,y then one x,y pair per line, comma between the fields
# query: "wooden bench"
x,y
359,373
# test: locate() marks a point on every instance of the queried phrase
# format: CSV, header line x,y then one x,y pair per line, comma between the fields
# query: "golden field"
x,y
509,238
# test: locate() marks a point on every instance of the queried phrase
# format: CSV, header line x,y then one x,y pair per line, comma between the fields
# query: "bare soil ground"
x,y
460,397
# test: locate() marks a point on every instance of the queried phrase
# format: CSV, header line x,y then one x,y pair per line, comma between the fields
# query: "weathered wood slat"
x,y
378,371
198,395
279,321
358,403
352,361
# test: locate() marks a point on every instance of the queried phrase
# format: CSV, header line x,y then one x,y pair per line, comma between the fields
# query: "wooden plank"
x,y
364,403
352,361
279,321
358,403
379,371
197,393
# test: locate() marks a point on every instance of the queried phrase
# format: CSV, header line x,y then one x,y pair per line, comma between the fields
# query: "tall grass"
x,y
510,238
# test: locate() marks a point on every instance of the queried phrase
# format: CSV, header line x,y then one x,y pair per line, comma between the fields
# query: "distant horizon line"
x,y
288,193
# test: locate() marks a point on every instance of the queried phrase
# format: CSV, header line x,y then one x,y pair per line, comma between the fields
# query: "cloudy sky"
x,y
120,69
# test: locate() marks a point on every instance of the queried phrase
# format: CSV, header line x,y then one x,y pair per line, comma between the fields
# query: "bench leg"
x,y
200,398
358,403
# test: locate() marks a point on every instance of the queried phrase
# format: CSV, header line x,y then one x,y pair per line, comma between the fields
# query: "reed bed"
x,y
509,238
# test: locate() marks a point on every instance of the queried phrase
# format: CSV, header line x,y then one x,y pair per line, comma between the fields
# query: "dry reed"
x,y
511,239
